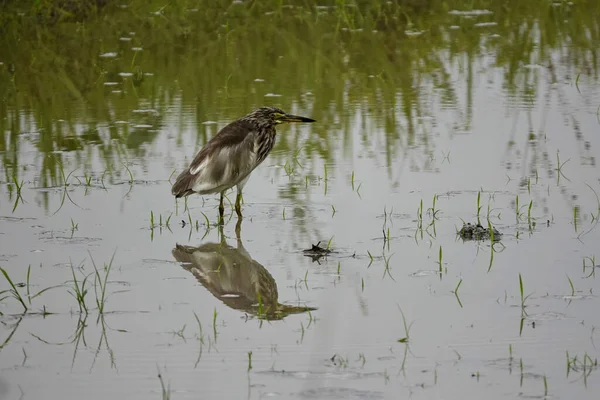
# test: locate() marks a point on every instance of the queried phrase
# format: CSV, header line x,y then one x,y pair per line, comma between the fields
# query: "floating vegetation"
x,y
317,252
478,232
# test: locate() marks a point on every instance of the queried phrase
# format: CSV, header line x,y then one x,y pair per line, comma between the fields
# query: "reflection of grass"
x,y
165,390
79,289
78,337
407,327
592,265
406,339
18,187
360,56
523,306
200,339
12,332
455,291
585,365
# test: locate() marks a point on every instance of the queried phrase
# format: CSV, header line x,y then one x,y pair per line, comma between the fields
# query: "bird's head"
x,y
274,116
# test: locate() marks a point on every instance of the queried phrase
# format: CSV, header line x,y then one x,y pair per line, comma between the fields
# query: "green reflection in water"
x,y
103,86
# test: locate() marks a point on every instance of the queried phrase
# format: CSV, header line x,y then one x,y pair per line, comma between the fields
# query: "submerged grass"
x,y
455,291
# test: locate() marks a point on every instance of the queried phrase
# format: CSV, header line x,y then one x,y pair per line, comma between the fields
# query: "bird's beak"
x,y
295,118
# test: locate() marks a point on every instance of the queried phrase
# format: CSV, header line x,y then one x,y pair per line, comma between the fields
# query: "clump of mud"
x,y
316,252
478,232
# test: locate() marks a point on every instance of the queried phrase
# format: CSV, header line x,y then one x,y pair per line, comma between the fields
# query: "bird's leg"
x,y
238,231
238,205
221,234
221,210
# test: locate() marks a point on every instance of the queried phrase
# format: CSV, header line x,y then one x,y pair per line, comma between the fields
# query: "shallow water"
x,y
470,106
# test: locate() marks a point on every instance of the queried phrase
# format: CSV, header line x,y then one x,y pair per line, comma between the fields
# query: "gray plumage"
x,y
228,159
233,277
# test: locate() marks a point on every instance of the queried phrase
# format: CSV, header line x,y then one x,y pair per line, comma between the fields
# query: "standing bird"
x,y
235,278
232,154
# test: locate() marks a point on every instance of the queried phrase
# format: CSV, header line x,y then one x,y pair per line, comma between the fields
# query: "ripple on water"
x,y
145,111
568,297
110,54
423,272
16,219
484,24
470,12
413,33
345,375
547,316
533,66
339,393
72,240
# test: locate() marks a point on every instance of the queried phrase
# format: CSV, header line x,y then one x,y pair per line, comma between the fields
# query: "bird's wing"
x,y
224,161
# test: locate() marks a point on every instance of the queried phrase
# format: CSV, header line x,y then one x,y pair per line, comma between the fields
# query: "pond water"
x,y
427,116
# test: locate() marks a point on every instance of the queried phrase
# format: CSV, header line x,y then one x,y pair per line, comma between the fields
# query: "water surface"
x,y
491,110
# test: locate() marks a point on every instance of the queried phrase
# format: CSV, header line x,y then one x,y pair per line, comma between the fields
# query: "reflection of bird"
x,y
232,154
233,277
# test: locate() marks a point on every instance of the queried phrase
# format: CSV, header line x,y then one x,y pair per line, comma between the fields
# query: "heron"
x,y
235,278
228,159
